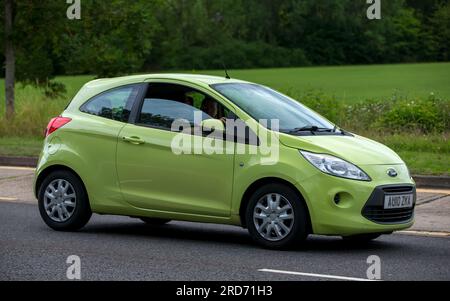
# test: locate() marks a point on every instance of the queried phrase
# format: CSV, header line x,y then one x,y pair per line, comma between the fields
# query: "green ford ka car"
x,y
217,150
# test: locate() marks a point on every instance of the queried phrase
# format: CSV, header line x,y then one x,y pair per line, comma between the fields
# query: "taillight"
x,y
55,124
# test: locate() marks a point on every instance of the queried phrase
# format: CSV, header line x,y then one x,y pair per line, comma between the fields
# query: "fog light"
x,y
337,199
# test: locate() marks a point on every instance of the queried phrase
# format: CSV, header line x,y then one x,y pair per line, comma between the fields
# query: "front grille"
x,y
374,208
399,189
381,215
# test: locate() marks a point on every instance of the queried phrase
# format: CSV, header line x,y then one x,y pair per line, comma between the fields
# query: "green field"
x,y
356,83
347,83
350,85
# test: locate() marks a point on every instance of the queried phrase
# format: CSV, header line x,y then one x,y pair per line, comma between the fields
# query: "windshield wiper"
x,y
313,129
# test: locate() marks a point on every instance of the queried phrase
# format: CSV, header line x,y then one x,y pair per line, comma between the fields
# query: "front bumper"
x,y
359,208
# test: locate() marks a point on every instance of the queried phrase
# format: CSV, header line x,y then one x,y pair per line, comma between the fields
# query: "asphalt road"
x,y
121,248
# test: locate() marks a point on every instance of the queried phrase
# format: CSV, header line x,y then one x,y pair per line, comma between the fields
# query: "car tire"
x,y
154,221
264,220
361,238
75,201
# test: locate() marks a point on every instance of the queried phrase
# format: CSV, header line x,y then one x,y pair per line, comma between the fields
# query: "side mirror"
x,y
210,125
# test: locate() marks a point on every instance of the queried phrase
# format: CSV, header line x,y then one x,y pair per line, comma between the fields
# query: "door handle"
x,y
133,140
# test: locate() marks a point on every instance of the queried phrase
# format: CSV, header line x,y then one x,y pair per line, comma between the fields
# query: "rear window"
x,y
114,104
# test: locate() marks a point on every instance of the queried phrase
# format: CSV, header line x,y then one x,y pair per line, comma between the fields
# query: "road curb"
x,y
18,161
421,181
432,181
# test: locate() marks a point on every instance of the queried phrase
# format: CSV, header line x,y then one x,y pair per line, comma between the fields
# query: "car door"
x,y
152,176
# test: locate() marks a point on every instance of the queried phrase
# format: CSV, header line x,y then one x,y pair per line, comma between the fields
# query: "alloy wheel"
x,y
60,200
273,217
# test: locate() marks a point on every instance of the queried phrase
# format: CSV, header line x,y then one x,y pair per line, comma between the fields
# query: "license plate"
x,y
398,201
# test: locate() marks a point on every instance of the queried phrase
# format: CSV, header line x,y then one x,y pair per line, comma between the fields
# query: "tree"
x,y
119,37
441,27
112,38
38,26
9,59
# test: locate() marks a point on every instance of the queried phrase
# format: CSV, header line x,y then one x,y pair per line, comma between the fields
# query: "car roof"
x,y
98,86
192,78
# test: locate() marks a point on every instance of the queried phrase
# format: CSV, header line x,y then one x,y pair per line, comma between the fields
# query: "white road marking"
x,y
314,275
8,199
17,201
425,233
17,168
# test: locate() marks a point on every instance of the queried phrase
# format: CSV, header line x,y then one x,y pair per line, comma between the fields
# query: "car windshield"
x,y
262,103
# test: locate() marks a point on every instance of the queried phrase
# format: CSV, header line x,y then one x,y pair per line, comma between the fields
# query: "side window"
x,y
114,104
165,103
163,112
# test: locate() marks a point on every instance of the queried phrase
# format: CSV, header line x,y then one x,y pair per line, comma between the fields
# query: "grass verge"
x,y
20,146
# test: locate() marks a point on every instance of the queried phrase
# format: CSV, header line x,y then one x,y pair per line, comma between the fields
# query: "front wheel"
x,y
276,217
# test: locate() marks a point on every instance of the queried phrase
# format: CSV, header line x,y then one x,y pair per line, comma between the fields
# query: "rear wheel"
x,y
154,221
63,202
276,217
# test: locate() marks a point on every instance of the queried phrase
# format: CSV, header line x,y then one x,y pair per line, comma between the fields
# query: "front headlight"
x,y
335,166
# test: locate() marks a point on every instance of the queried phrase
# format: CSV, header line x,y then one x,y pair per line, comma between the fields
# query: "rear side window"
x,y
114,104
